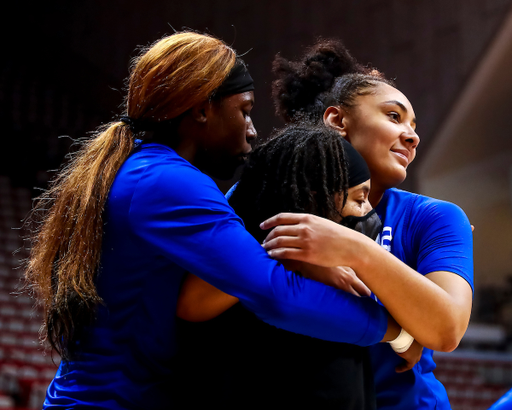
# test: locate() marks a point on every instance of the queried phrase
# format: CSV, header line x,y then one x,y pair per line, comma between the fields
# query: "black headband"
x,y
238,81
358,171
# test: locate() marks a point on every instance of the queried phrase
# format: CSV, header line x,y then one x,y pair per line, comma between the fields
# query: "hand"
x,y
311,239
339,277
411,357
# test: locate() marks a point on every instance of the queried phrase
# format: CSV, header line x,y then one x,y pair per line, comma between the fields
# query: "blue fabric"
x,y
231,190
428,235
163,218
504,403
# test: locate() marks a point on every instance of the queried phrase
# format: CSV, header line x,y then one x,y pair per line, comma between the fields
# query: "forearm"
x,y
436,314
304,306
199,301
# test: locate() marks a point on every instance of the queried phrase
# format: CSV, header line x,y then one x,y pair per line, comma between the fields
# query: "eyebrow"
x,y
401,105
364,189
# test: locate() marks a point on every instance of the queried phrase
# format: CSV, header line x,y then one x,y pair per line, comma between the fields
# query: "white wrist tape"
x,y
402,342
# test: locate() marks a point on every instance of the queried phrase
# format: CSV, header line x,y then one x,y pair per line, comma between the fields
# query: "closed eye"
x,y
247,111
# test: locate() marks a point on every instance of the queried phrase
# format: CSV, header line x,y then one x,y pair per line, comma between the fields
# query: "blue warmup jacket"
x,y
164,218
429,235
504,403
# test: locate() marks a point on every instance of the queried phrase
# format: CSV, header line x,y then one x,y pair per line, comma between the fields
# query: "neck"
x,y
185,142
376,194
186,151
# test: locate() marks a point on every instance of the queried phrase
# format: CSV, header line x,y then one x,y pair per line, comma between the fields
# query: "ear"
x,y
335,117
201,112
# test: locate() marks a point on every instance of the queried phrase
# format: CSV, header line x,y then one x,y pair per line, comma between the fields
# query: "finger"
x,y
351,290
285,230
284,218
282,242
361,288
472,228
288,253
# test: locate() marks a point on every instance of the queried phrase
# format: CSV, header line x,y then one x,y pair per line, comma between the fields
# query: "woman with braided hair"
x,y
302,168
422,272
125,219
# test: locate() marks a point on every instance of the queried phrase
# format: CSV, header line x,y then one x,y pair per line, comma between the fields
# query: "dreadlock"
x,y
300,169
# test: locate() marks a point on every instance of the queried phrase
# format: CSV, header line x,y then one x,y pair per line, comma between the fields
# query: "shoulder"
x,y
163,174
437,211
422,206
155,185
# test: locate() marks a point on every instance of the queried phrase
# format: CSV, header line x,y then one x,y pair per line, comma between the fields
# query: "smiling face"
x,y
381,126
228,135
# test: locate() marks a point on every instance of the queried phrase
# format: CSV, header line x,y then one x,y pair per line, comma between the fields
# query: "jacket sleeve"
x,y
182,215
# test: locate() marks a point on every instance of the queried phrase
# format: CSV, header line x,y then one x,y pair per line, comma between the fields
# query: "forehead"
x,y
226,106
240,98
383,93
362,187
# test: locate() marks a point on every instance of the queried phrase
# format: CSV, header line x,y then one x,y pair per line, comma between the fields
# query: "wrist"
x,y
392,331
402,343
363,248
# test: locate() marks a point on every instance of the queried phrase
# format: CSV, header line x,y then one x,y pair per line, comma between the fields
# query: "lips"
x,y
403,154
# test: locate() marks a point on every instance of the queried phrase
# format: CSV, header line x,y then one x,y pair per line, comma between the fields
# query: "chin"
x,y
393,178
223,176
222,169
399,179
224,172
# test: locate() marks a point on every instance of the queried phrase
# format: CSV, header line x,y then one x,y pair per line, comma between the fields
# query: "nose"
x,y
411,139
366,207
251,133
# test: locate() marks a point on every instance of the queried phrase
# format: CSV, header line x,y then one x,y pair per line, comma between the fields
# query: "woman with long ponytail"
x,y
134,210
66,249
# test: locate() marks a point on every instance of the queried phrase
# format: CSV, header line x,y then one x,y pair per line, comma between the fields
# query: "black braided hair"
x,y
300,169
326,75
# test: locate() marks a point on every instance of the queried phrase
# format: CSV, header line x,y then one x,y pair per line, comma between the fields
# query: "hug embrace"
x,y
134,239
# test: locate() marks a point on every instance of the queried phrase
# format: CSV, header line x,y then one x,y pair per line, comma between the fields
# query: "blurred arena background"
x,y
63,69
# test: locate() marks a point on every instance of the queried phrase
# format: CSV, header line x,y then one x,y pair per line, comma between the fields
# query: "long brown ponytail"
x,y
167,79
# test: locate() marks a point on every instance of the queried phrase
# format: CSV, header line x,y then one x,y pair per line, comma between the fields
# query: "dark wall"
x,y
64,62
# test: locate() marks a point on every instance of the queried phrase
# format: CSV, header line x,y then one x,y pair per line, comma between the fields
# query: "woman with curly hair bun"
x,y
422,272
134,210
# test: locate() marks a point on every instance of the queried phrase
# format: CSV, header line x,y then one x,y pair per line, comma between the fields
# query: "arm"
x,y
199,301
435,309
181,216
339,277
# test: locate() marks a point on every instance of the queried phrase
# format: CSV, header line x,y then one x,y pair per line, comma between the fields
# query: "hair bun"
x,y
300,83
